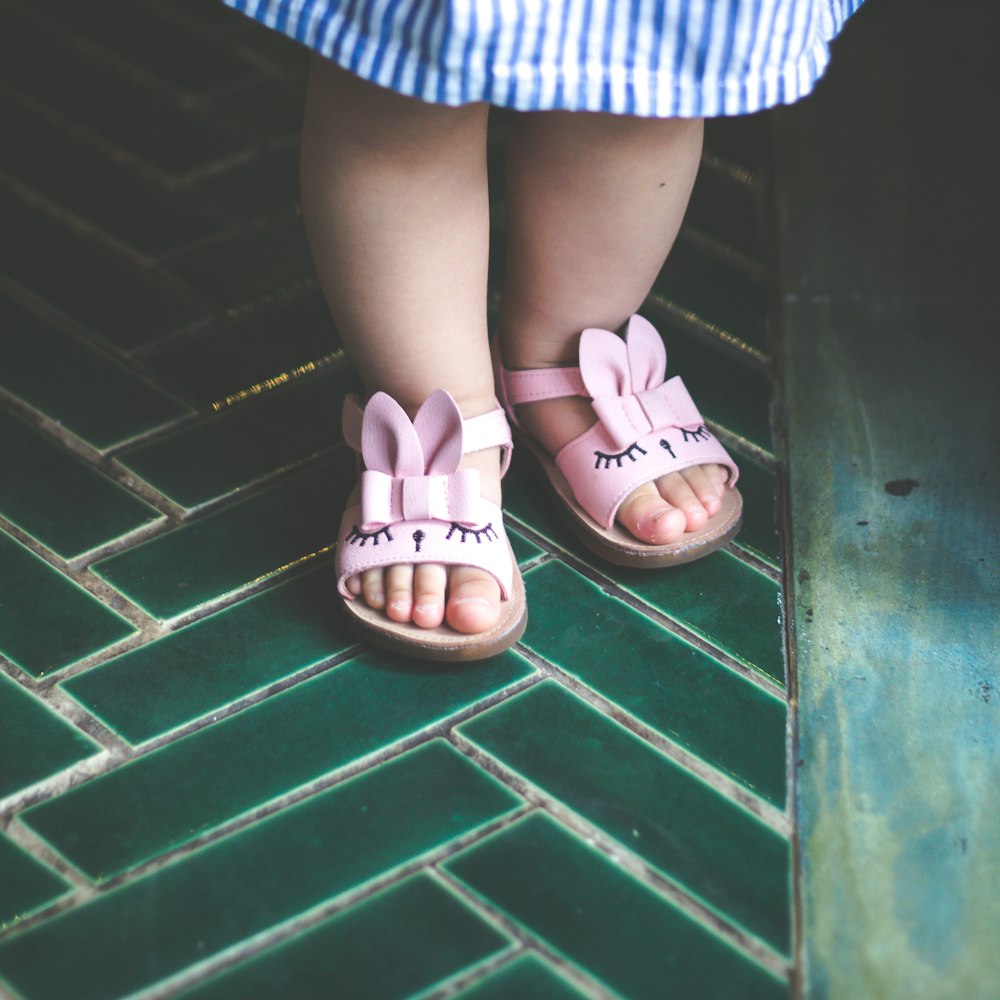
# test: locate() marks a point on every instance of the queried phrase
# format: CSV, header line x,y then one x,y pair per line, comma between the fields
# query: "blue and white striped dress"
x,y
659,58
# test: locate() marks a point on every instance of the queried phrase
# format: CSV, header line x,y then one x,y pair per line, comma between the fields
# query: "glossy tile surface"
x,y
59,499
662,680
228,793
557,887
77,386
186,912
35,742
167,797
27,884
47,622
400,942
231,549
713,849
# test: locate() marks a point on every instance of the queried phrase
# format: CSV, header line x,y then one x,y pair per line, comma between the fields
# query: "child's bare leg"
x,y
395,200
594,203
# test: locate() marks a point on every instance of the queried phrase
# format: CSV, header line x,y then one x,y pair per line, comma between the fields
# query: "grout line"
x,y
760,809
720,251
731,169
529,942
329,779
620,854
37,846
301,923
470,975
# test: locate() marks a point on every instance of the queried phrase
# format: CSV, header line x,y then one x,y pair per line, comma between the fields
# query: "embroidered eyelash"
x,y
628,453
356,537
700,433
479,534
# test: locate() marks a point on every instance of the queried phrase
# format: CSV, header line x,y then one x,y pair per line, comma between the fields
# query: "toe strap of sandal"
x,y
449,543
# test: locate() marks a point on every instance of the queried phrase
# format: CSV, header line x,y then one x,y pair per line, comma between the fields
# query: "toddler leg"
x,y
395,201
594,203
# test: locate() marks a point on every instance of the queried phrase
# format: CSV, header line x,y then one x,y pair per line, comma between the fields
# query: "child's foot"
x,y
465,597
658,512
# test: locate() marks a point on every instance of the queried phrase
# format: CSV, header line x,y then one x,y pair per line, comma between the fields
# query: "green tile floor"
x,y
208,787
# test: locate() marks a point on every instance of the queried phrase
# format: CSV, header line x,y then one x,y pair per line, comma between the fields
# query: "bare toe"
x,y
429,582
399,593
373,588
473,600
675,490
702,485
647,516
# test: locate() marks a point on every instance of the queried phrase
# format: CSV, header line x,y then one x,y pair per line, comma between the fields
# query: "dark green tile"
x,y
524,551
726,390
598,916
276,430
271,110
399,942
137,35
266,185
738,140
169,796
35,743
47,622
99,188
57,498
248,266
110,102
73,273
228,550
690,832
527,978
657,677
732,605
27,883
257,877
217,660
717,291
95,398
759,534
527,498
265,344
728,211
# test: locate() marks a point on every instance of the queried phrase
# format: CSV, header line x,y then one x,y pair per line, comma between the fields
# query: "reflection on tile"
x,y
599,917
73,273
217,660
732,605
35,743
398,943
73,384
169,796
665,682
277,430
47,622
716,291
98,188
527,978
153,927
691,833
27,883
248,266
221,553
268,343
59,499
725,390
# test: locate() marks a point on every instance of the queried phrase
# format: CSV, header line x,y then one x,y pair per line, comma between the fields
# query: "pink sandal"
x,y
417,507
646,427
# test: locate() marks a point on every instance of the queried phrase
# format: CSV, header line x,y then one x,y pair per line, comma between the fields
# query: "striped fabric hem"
x,y
653,58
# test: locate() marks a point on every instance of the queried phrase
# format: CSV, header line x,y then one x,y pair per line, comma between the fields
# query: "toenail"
x,y
480,601
400,605
661,513
427,609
